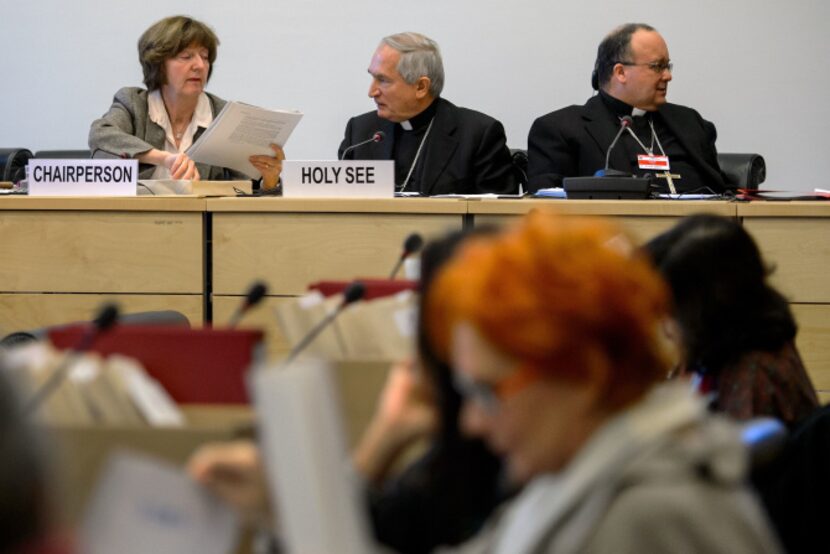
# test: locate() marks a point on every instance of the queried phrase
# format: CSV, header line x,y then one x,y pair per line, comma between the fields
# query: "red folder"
x,y
375,288
195,366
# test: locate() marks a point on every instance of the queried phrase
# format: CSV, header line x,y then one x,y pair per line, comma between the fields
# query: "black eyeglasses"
x,y
657,67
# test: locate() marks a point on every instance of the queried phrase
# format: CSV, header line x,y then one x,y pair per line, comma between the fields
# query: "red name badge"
x,y
646,161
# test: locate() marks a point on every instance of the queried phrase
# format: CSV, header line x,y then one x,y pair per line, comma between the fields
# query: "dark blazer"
x,y
466,152
572,142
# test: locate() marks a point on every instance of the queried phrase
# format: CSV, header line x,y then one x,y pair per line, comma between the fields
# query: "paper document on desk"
x,y
320,506
142,505
240,131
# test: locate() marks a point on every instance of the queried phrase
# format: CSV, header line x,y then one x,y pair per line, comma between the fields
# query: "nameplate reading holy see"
x,y
82,177
338,179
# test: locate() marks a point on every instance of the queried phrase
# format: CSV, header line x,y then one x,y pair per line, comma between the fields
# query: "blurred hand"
x,y
269,166
406,412
181,167
233,471
407,403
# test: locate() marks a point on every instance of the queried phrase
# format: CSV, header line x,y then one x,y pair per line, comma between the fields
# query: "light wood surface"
x,y
109,203
798,248
814,342
101,251
77,248
259,317
30,311
651,208
339,205
784,209
291,250
643,219
641,228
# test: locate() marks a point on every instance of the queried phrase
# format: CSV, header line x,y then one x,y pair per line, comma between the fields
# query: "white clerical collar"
x,y
407,126
638,112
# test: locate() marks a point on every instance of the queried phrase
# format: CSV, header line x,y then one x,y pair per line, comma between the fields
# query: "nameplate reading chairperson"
x,y
82,177
338,179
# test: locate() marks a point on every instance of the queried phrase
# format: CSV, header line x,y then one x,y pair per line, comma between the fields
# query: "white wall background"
x,y
759,69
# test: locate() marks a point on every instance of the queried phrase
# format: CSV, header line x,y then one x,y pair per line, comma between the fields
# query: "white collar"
x,y
407,125
202,116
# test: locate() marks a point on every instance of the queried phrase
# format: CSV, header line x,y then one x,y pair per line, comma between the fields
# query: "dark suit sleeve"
x,y
347,141
549,155
710,152
493,165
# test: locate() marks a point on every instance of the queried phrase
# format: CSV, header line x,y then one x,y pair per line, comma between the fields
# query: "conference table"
x,y
61,257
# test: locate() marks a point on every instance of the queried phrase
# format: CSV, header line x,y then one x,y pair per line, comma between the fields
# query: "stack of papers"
x,y
555,192
240,131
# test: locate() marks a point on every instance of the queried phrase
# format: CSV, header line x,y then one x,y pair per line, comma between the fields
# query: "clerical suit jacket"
x,y
466,151
572,142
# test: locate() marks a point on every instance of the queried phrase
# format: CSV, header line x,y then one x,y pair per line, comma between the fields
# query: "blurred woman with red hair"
x,y
553,331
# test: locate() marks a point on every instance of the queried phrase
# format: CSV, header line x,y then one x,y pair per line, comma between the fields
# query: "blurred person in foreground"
x,y
27,518
156,126
443,497
554,333
737,332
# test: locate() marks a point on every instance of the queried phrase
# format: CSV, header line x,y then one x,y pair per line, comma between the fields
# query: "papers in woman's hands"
x,y
240,131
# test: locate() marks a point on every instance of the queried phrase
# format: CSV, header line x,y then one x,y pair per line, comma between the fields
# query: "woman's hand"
x,y
406,412
181,167
233,471
269,166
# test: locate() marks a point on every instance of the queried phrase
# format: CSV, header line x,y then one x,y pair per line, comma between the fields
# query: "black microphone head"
x,y
256,293
626,120
107,317
353,292
378,136
412,244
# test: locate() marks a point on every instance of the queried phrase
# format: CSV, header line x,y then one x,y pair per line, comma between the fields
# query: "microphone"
x,y
411,245
254,296
106,318
625,122
378,136
353,293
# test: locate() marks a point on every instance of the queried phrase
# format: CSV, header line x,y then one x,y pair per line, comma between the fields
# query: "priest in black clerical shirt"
x,y
670,142
438,148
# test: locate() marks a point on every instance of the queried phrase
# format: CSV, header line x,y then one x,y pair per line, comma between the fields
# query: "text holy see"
x,y
83,174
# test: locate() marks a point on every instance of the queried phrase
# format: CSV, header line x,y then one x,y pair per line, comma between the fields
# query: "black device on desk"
x,y
607,188
607,183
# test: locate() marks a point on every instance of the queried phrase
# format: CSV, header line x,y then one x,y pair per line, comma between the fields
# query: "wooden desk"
x,y
62,257
289,243
643,218
794,238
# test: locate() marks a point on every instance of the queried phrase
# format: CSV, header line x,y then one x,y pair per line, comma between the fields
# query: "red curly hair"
x,y
564,295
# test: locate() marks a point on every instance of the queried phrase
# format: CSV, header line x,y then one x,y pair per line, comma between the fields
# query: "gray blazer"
x,y
664,476
126,131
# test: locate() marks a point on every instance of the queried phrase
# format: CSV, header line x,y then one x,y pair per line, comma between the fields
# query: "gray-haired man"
x,y
438,148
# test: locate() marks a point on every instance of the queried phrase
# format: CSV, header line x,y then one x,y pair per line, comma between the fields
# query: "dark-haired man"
x,y
438,147
673,143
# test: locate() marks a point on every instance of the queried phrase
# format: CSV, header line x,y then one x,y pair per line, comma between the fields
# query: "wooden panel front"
x,y
291,250
799,251
814,342
643,219
641,228
260,317
101,252
31,311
